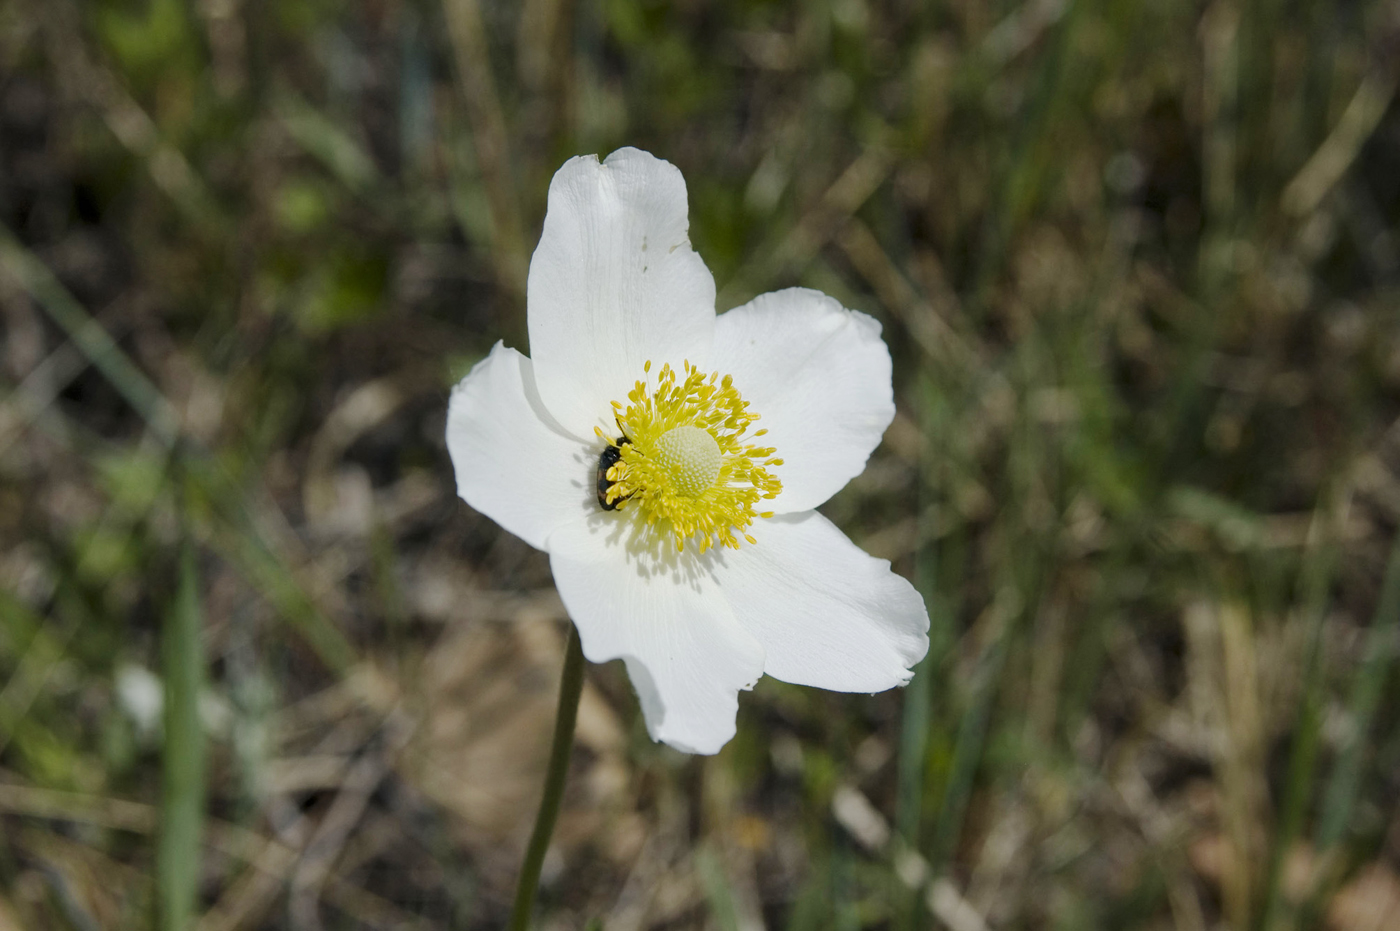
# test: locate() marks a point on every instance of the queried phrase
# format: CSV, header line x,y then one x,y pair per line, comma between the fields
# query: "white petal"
x,y
514,463
686,655
613,284
819,377
827,614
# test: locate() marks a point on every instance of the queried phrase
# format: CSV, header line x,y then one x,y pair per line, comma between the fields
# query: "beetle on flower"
x,y
669,460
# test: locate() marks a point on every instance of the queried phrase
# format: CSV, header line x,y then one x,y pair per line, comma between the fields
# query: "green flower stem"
x,y
570,688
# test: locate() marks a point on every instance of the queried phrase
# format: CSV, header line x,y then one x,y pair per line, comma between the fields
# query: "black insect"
x,y
606,461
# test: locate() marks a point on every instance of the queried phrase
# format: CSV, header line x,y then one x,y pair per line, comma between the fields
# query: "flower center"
x,y
692,457
684,460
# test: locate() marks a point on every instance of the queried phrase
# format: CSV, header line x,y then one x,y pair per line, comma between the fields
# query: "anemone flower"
x,y
669,460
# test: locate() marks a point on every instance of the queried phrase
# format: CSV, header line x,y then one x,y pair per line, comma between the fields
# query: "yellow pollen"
x,y
688,467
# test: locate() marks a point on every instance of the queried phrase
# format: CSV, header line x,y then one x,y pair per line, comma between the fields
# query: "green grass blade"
x,y
89,336
967,755
1339,799
182,796
718,892
1318,572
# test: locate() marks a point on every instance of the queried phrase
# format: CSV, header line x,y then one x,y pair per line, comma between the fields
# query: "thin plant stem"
x,y
570,687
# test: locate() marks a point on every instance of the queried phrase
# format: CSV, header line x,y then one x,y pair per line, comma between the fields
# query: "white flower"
x,y
695,554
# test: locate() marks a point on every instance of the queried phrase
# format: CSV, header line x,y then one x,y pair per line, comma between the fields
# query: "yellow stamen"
x,y
688,465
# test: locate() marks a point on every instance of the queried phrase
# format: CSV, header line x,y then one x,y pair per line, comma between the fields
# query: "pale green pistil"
x,y
692,458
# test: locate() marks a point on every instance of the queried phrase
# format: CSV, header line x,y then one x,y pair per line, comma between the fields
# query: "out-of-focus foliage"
x,y
1138,266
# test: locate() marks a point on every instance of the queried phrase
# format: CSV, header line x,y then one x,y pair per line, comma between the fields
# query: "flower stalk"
x,y
570,688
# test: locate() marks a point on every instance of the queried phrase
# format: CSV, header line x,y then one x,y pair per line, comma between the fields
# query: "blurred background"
x,y
1138,267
